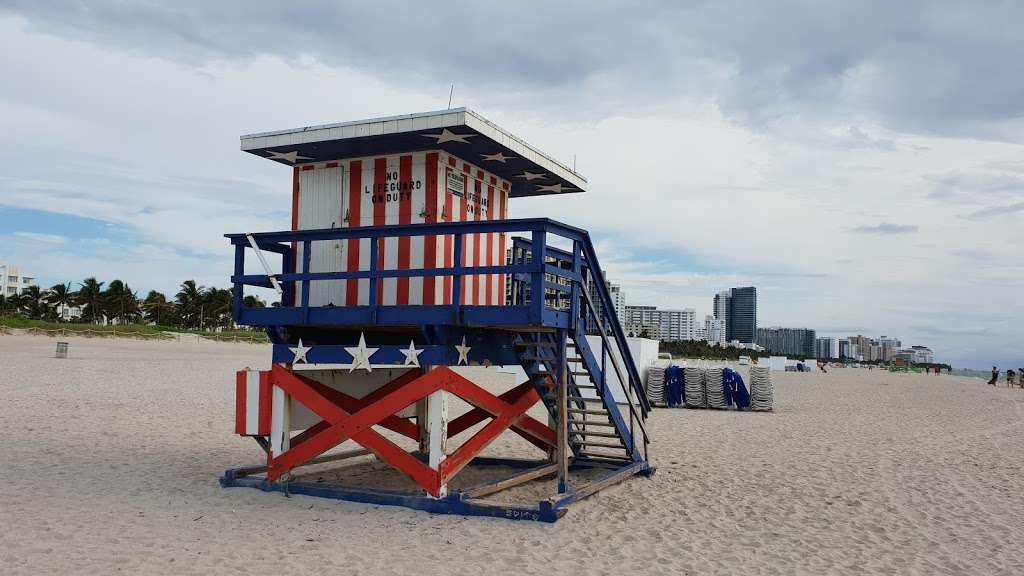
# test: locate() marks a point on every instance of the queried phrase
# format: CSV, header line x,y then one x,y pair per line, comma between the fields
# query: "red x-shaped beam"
x,y
339,424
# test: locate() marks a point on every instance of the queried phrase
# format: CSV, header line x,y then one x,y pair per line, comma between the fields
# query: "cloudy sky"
x,y
861,164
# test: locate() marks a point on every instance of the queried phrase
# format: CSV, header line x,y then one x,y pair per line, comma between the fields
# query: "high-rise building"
x,y
12,281
888,347
714,330
917,355
788,341
848,349
826,348
741,323
721,310
670,325
618,301
617,295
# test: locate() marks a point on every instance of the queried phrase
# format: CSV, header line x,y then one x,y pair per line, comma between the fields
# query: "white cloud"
x,y
150,146
42,238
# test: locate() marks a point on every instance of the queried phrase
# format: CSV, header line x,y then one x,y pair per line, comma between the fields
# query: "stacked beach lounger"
x,y
714,391
761,392
656,385
695,389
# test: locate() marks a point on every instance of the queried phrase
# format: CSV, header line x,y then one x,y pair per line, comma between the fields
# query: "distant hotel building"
x,y
826,348
714,331
787,341
848,349
618,299
12,281
668,325
917,355
737,309
866,349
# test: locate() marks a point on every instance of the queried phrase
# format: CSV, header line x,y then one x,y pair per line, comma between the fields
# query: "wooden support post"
x,y
280,423
422,425
437,424
563,414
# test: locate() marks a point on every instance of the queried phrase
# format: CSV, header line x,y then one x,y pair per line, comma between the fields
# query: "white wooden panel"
x,y
321,206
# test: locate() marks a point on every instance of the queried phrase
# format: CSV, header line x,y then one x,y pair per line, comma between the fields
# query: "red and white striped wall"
x,y
420,187
252,403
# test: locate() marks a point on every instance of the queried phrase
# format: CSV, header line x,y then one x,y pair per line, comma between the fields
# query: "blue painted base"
x,y
455,503
452,504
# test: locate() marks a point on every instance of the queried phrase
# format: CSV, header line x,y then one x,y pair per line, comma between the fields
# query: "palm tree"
x,y
217,306
60,297
154,307
190,303
121,302
252,301
90,292
33,302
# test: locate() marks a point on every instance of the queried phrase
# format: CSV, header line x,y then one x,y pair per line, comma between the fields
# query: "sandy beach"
x,y
112,458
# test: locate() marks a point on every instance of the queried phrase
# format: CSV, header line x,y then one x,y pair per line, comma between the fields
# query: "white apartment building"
x,y
826,348
669,325
13,281
618,301
714,330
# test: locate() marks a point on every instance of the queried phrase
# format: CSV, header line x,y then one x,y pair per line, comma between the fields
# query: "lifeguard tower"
x,y
402,270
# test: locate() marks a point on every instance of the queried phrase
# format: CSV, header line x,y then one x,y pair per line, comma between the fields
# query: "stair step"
x,y
542,344
534,343
546,373
603,458
581,411
593,433
585,386
600,445
586,399
589,423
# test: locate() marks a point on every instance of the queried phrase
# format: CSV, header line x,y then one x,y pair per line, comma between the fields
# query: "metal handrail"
x,y
618,371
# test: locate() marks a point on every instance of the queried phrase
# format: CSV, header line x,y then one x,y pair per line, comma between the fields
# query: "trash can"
x,y
62,349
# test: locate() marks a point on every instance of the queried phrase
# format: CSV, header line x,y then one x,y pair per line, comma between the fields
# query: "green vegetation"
x,y
117,310
701,349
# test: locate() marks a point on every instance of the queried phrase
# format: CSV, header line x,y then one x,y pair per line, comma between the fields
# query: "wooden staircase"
x,y
596,428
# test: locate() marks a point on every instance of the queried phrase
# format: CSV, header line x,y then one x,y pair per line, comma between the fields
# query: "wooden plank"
x,y
247,470
511,481
563,417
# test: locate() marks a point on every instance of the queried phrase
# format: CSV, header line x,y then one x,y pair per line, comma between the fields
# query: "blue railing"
x,y
559,275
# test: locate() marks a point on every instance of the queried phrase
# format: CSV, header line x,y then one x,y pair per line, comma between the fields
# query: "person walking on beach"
x,y
995,376
1009,378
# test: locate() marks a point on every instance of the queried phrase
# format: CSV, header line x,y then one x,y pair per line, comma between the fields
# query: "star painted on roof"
x,y
412,355
447,135
463,352
289,157
530,176
300,352
556,188
499,157
361,355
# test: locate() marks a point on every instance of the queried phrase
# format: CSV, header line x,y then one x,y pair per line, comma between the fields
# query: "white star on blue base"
x,y
412,355
289,157
299,352
447,135
463,352
361,355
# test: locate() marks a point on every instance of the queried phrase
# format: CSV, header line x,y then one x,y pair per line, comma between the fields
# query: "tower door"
x,y
321,206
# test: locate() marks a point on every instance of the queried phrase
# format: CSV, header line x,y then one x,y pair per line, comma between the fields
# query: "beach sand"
x,y
111,459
